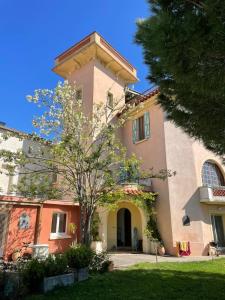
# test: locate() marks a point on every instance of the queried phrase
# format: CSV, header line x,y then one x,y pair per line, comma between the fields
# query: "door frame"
x,y
212,215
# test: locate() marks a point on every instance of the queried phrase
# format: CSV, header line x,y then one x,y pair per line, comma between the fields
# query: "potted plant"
x,y
96,243
16,254
101,263
161,249
79,258
45,275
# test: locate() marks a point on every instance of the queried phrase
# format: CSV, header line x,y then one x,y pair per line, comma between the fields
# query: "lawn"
x,y
198,280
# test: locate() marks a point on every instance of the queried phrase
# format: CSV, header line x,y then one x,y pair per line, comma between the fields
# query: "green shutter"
x,y
135,131
147,124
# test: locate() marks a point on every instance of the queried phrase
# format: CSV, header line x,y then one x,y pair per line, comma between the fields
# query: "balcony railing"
x,y
212,195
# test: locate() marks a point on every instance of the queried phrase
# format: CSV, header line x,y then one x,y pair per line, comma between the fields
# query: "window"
x,y
110,103
141,128
79,94
211,175
58,224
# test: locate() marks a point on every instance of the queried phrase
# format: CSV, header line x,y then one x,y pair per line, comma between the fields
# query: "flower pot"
x,y
110,266
161,250
97,246
15,256
81,274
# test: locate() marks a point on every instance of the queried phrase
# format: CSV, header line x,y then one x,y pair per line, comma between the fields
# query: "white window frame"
x,y
57,234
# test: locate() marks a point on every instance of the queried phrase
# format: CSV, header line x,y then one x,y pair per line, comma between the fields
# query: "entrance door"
x,y
124,228
218,230
3,220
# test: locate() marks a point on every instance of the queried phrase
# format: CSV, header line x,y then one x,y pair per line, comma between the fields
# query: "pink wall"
x,y
57,245
15,235
152,154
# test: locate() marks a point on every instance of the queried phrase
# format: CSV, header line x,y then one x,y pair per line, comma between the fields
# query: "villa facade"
x,y
190,205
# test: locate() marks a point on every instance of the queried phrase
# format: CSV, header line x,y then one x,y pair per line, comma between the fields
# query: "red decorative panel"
x,y
219,192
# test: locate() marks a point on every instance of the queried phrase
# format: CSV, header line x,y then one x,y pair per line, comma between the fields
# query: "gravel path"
x,y
124,260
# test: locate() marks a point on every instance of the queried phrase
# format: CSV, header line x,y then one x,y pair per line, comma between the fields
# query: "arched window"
x,y
211,175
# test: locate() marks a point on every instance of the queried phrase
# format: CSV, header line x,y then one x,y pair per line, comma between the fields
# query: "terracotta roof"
x,y
144,96
139,99
132,191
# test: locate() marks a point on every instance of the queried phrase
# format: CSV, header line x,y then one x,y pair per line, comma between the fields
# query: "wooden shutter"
x,y
135,131
147,124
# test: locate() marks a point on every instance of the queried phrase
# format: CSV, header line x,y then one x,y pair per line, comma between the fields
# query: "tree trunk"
x,y
85,225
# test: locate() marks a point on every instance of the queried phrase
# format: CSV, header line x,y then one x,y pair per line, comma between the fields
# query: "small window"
x,y
58,224
141,128
79,94
110,102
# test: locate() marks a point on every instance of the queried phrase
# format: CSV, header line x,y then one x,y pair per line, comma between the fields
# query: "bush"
x,y
79,256
33,274
100,263
55,265
35,270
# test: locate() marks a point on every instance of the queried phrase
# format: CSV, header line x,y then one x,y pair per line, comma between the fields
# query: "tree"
x,y
183,44
82,148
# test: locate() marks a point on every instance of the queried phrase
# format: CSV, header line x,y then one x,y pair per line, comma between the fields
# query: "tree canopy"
x,y
184,46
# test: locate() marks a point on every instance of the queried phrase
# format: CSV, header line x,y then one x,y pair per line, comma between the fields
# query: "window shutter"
x,y
135,131
147,124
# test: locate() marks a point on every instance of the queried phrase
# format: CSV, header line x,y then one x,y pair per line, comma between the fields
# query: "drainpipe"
x,y
38,224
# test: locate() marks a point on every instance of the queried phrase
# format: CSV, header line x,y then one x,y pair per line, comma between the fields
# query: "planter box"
x,y
50,283
97,246
81,274
153,246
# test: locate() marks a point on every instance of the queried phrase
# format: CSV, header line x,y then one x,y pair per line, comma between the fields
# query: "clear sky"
x,y
34,32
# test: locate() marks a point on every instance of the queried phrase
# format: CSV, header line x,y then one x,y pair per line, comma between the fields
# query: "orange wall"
x,y
15,235
57,245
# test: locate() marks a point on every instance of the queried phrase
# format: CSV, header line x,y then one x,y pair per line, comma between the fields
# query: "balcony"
x,y
212,195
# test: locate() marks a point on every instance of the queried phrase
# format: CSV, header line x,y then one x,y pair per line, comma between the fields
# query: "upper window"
x,y
141,128
110,102
211,175
58,224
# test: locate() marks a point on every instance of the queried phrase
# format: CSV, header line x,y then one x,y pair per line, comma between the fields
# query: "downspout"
x,y
38,224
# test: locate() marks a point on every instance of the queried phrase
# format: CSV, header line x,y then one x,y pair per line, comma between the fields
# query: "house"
x,y
34,221
190,205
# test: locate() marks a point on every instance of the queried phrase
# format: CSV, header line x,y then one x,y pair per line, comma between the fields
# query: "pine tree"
x,y
184,46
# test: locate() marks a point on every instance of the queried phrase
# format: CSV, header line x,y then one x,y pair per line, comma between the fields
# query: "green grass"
x,y
198,280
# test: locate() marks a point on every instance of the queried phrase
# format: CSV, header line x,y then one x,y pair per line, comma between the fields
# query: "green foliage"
x,y
55,265
79,256
33,274
183,45
35,270
95,227
100,262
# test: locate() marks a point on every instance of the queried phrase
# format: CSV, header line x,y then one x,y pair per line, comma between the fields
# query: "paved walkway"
x,y
124,260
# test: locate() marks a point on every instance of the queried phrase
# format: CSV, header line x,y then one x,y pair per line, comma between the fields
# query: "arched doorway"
x,y
124,228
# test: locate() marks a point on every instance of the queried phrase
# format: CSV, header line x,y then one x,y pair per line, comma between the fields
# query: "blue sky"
x,y
34,32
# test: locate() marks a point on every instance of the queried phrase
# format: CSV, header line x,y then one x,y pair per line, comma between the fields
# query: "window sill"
x,y
141,141
59,236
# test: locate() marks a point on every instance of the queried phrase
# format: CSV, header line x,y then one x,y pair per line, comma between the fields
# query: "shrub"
x,y
100,262
33,274
79,256
35,270
55,265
